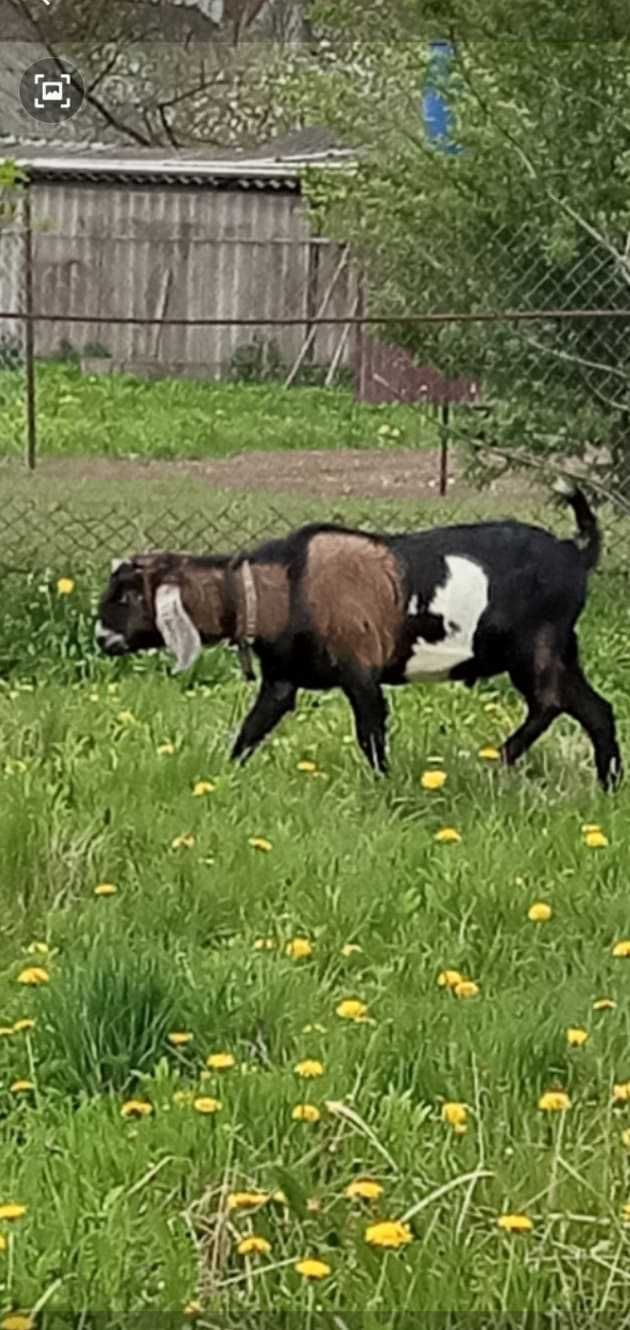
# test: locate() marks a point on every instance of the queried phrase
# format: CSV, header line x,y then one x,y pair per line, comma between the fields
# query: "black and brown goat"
x,y
330,607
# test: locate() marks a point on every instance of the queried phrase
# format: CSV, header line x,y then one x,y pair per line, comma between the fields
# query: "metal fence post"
x,y
444,433
29,331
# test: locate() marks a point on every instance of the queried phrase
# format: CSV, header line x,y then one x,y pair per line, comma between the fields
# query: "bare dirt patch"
x,y
349,473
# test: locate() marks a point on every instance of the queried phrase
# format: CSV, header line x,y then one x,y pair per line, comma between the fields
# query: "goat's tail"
x,y
588,536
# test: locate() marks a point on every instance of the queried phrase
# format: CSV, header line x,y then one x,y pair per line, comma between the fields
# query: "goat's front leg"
x,y
272,703
370,717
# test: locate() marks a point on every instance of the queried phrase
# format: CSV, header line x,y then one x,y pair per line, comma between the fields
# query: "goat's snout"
x,y
108,641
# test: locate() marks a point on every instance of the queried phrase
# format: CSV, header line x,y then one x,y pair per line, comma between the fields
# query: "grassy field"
x,y
120,1214
122,416
152,890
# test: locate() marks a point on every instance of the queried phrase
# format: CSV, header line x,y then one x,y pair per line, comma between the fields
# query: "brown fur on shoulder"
x,y
272,597
352,590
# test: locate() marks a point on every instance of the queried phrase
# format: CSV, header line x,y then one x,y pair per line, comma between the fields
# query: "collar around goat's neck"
x,y
244,606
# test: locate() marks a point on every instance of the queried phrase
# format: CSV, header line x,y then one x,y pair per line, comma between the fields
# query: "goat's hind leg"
x,y
272,703
538,679
596,716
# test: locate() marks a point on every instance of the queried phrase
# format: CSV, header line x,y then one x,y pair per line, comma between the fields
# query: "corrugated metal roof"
x,y
272,165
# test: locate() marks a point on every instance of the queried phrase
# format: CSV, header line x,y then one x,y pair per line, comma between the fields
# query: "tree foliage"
x,y
532,212
162,73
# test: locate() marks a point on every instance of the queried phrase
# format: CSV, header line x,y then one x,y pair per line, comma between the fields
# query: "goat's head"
x,y
142,609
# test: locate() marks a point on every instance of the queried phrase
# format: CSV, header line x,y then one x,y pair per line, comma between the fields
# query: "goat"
x,y
329,606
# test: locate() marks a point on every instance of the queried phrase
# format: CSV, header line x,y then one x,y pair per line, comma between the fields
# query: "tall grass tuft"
x,y
105,1019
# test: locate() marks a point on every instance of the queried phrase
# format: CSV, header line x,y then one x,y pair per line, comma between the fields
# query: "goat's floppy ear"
x,y
176,626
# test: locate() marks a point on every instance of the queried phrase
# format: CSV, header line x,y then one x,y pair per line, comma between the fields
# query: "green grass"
x,y
121,416
130,1216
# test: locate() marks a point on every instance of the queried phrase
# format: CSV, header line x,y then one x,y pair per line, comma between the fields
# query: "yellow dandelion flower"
x,y
178,1038
65,586
312,1269
105,889
554,1101
539,913
299,949
21,1087
17,1321
433,780
203,787
38,949
185,842
389,1233
490,754
466,988
622,949
595,840
6,1030
447,836
207,1105
308,767
589,826
363,1189
515,1223
246,1200
625,1136
264,944
253,1246
192,1311
621,1092
626,1214
455,1114
33,976
352,1009
220,1061
260,843
23,1025
449,978
351,949
604,1004
306,1113
136,1108
166,749
309,1068
10,1211
576,1037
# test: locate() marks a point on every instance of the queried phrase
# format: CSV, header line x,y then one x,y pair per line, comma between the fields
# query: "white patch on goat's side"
x,y
461,602
412,607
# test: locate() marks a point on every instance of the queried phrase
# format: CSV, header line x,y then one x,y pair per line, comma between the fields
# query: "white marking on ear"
x,y
176,626
117,563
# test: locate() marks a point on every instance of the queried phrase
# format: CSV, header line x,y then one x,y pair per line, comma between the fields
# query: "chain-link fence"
x,y
506,396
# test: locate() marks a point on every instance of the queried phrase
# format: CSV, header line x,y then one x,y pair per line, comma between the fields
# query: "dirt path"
x,y
348,473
